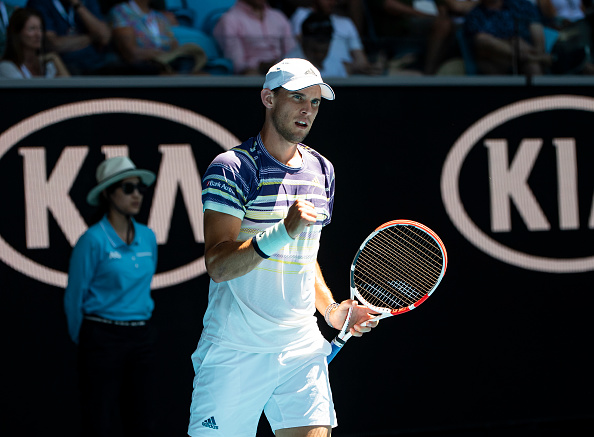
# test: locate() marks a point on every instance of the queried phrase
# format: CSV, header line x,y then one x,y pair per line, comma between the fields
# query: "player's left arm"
x,y
337,316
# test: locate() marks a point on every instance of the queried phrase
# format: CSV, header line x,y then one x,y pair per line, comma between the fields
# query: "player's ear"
x,y
267,97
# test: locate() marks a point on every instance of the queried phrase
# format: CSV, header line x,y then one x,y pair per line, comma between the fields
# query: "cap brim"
x,y
299,84
147,177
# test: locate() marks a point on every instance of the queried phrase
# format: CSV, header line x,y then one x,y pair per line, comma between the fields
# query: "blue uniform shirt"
x,y
110,278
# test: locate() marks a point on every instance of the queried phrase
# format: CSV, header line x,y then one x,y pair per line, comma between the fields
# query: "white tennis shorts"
x,y
232,388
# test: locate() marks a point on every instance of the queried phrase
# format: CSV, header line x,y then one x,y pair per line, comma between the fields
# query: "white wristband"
x,y
270,241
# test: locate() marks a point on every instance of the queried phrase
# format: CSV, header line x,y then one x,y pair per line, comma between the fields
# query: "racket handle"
x,y
341,338
337,345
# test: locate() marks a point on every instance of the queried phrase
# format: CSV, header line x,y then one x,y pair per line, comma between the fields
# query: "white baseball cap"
x,y
295,74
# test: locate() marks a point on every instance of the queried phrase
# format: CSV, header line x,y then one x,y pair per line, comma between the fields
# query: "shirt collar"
x,y
113,237
249,10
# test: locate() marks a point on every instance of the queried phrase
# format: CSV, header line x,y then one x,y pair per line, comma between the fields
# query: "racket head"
x,y
398,266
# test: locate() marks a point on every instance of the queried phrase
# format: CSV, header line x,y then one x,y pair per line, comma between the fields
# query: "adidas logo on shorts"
x,y
210,423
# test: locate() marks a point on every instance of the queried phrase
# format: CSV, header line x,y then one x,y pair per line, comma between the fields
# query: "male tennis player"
x,y
265,204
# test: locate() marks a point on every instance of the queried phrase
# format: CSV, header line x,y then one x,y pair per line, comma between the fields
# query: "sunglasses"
x,y
129,187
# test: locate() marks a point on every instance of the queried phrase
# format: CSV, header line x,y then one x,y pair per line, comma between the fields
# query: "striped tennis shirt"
x,y
271,308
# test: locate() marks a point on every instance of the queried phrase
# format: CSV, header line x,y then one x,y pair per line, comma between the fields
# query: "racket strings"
x,y
403,259
397,267
377,277
394,291
383,290
412,238
414,250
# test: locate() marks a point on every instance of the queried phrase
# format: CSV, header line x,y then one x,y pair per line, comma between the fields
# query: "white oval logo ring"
x,y
16,133
450,184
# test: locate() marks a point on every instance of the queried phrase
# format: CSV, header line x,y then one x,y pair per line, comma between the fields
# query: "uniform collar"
x,y
249,10
114,238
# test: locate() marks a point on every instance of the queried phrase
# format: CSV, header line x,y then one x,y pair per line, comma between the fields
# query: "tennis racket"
x,y
395,270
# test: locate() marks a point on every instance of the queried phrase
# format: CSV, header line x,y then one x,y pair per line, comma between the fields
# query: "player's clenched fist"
x,y
301,214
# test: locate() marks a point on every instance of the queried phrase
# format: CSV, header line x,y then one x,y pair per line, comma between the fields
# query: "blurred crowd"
x,y
52,38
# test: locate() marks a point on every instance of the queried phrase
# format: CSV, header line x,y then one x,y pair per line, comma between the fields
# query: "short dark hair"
x,y
318,26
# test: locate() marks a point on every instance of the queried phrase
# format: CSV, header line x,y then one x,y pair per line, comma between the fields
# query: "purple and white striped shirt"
x,y
271,308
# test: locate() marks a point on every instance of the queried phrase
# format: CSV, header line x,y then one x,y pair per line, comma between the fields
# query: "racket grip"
x,y
336,346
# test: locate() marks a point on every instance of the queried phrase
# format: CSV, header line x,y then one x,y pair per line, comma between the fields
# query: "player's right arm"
x,y
226,258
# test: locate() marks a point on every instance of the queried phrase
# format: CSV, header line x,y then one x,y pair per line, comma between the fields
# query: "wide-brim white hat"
x,y
294,74
113,170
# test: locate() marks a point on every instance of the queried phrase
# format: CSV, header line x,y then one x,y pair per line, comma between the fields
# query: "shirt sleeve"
x,y
166,30
224,187
353,40
51,70
117,18
80,274
227,35
8,70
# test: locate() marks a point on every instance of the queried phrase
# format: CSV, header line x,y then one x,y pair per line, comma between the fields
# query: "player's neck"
x,y
284,151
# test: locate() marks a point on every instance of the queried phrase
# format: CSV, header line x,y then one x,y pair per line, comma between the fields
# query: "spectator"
x,y
353,9
346,44
315,38
560,14
24,57
76,30
402,28
288,7
144,39
456,11
502,31
6,11
254,36
572,51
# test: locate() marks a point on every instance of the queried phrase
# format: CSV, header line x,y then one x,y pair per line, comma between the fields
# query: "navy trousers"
x,y
117,378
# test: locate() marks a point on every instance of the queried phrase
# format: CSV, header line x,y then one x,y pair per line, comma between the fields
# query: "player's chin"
x,y
300,134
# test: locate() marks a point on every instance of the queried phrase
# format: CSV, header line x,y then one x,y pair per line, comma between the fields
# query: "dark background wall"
x,y
498,350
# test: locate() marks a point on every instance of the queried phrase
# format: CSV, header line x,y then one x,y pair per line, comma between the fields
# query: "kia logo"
x,y
512,192
47,190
